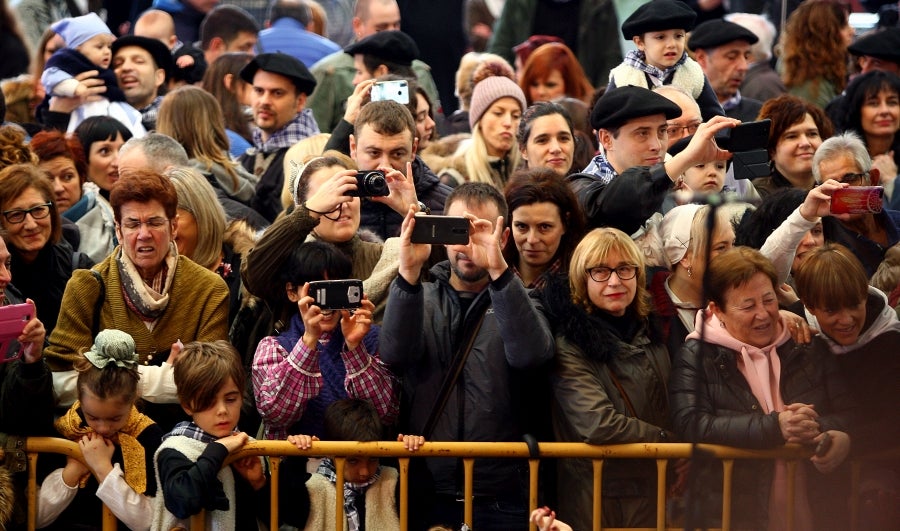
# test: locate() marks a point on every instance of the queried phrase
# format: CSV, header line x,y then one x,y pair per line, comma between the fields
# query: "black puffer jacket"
x,y
710,401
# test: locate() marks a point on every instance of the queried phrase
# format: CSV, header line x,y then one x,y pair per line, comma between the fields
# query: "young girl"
x,y
88,48
659,29
115,439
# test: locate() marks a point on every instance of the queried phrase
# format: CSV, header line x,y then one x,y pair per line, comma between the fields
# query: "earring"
x,y
722,324
690,270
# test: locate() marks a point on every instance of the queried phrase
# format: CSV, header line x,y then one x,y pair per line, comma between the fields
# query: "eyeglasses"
x,y
677,130
853,178
18,215
154,223
602,273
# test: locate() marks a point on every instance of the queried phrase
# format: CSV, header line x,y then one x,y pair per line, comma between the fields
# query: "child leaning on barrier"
x,y
370,490
116,440
189,472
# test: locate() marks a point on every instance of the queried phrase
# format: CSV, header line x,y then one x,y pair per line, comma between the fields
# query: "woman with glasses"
x,y
609,378
145,288
42,258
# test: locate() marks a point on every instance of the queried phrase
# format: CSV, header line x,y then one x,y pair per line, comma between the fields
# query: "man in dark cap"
x,y
722,49
335,72
385,52
280,85
142,65
878,51
628,181
761,82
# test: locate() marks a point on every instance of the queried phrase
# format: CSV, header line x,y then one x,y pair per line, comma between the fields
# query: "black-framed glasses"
x,y
854,178
602,273
17,215
677,130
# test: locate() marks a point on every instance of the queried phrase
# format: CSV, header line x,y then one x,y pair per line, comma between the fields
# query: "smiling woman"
x,y
42,259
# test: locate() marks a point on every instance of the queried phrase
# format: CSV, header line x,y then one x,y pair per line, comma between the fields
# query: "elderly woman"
x,y
42,259
609,378
740,380
143,288
797,131
547,138
78,200
546,224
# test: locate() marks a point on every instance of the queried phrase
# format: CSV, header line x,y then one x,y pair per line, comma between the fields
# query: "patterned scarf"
x,y
190,430
73,427
637,59
351,490
147,301
602,169
302,126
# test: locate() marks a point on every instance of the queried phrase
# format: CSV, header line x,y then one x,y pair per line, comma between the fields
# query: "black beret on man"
x,y
157,50
715,33
659,15
394,46
283,64
884,44
621,104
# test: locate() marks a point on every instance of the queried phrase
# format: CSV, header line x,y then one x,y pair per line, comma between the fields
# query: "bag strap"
x,y
98,305
452,376
622,392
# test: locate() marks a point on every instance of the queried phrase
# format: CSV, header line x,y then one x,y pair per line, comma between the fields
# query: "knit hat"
x,y
112,346
76,31
675,231
659,15
489,90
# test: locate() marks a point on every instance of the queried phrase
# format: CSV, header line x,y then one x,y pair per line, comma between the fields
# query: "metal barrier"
x,y
468,451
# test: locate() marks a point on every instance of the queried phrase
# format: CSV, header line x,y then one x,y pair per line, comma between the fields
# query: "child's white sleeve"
x,y
158,383
53,498
59,82
133,509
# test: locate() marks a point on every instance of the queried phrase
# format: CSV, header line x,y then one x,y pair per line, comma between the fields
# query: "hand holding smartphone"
x,y
337,294
13,319
858,200
444,230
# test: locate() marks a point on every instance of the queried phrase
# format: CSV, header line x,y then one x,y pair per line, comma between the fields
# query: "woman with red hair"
x,y
552,72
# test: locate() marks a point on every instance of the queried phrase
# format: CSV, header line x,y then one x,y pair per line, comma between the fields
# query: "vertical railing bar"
x,y
274,484
661,494
404,493
727,487
31,517
468,490
598,481
339,494
533,466
791,492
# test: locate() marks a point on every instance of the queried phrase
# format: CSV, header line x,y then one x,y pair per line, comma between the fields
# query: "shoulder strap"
x,y
101,296
622,392
452,376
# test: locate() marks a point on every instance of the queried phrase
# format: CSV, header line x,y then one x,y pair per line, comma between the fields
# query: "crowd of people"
x,y
184,184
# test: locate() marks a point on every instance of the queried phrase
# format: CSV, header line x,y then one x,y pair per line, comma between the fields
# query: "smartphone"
x,y
13,319
397,90
337,294
858,200
749,136
445,230
824,445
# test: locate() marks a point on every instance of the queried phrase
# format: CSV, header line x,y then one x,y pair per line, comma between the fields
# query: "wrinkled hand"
x,y
484,248
840,447
818,200
32,338
252,470
402,187
799,423
411,442
786,296
799,329
312,318
545,520
887,168
97,451
355,102
355,326
332,193
412,255
302,442
234,442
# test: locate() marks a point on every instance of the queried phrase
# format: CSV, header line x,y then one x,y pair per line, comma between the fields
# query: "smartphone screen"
x,y
397,90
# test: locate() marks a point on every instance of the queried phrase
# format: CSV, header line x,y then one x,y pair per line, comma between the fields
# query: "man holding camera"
x,y
280,85
457,342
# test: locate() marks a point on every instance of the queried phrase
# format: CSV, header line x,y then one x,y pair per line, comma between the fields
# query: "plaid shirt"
x,y
601,168
284,382
150,113
352,491
302,126
637,59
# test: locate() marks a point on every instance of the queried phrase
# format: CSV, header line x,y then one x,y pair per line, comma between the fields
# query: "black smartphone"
x,y
446,230
749,136
824,445
337,294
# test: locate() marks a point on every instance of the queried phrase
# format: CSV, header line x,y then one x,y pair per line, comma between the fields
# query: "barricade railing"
x,y
662,453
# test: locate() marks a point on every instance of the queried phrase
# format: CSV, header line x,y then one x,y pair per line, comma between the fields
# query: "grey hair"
x,y
161,151
847,143
762,27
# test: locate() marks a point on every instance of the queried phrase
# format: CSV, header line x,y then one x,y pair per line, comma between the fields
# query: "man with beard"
x,y
474,321
280,85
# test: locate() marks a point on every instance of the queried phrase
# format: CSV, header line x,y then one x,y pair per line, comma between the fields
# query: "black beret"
x,y
394,46
715,33
884,44
283,64
157,50
621,104
659,15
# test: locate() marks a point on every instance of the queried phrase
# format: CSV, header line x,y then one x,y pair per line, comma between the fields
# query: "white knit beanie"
x,y
489,90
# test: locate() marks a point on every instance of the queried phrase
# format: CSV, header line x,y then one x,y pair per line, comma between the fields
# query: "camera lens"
x,y
371,183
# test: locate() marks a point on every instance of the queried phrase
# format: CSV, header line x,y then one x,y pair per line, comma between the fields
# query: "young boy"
x,y
370,490
189,473
88,48
659,29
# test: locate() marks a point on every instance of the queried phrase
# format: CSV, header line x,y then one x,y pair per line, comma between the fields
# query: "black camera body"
x,y
370,183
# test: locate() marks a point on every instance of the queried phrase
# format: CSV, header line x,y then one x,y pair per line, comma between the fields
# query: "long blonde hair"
x,y
194,118
478,162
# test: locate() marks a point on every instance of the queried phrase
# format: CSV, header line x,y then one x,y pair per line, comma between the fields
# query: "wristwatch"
x,y
423,208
